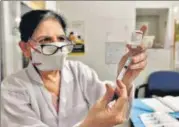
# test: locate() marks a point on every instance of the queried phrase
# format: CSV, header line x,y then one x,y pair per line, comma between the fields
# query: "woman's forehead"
x,y
49,27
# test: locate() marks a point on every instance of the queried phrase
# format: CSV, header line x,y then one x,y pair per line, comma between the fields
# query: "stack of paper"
x,y
156,105
163,104
171,102
158,120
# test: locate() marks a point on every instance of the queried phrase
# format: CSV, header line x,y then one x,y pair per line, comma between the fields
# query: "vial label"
x,y
136,37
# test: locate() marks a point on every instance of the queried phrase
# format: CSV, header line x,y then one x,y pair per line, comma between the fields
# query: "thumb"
x,y
121,89
108,95
129,47
123,99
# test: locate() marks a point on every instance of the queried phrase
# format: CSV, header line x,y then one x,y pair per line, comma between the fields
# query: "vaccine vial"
x,y
136,38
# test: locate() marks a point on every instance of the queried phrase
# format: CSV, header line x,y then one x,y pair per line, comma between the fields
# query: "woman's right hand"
x,y
103,115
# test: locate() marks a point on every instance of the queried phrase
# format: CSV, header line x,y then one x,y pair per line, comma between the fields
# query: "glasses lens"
x,y
49,49
67,48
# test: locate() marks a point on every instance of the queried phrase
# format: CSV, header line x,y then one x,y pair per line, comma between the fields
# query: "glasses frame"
x,y
42,45
57,48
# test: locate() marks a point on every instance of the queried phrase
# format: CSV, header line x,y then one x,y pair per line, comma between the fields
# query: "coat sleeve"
x,y
16,110
94,88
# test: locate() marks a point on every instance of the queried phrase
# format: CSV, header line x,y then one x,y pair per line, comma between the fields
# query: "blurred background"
x,y
100,23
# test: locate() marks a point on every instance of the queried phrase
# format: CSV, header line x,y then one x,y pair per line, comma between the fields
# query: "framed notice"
x,y
114,52
176,44
177,31
76,34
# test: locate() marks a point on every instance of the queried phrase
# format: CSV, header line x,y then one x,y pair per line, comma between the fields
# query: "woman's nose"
x,y
54,39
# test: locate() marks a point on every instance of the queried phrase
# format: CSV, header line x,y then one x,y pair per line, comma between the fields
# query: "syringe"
x,y
135,41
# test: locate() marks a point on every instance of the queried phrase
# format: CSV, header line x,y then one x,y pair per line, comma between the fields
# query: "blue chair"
x,y
161,83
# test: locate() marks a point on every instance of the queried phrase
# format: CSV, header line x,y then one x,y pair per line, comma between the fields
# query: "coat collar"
x,y
66,80
66,74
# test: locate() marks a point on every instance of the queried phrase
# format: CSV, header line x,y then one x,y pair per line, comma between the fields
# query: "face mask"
x,y
49,62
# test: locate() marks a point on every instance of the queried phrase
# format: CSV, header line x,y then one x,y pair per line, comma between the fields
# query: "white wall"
x,y
165,55
99,16
157,26
162,26
147,15
94,14
50,5
162,4
12,54
155,4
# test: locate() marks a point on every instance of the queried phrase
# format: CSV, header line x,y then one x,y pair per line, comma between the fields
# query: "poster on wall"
x,y
76,34
177,54
176,44
177,31
114,52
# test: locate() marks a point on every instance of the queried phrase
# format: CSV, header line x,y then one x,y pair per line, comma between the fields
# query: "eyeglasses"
x,y
52,48
46,45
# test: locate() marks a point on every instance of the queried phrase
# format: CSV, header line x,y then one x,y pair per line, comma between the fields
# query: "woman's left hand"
x,y
138,63
102,114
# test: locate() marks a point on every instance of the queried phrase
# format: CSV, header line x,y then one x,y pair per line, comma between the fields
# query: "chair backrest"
x,y
163,83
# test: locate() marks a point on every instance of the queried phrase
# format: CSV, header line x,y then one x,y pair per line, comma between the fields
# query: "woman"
x,y
55,92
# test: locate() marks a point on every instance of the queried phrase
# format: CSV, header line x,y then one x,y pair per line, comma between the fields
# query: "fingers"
x,y
121,105
108,95
129,47
139,61
133,52
140,65
140,48
122,91
122,62
139,58
125,57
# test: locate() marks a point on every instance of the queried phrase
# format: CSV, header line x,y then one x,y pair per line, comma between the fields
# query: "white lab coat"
x,y
27,103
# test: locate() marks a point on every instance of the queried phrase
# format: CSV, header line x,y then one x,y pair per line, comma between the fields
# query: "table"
x,y
139,108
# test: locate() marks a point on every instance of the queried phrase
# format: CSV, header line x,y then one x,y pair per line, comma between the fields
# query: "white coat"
x,y
26,102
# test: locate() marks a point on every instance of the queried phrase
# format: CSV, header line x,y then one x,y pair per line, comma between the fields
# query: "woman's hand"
x,y
139,62
103,115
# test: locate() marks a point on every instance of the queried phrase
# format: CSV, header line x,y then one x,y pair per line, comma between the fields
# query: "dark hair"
x,y
31,19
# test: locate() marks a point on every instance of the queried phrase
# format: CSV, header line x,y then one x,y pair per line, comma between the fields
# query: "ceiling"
x,y
156,12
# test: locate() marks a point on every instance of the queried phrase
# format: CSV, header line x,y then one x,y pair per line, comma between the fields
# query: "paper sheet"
x,y
163,104
114,52
156,105
171,101
158,119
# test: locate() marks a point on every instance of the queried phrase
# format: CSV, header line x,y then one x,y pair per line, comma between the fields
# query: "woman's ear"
x,y
25,49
